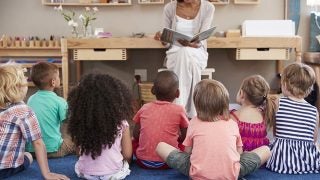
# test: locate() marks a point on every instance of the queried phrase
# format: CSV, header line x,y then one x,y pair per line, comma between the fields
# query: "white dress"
x,y
187,63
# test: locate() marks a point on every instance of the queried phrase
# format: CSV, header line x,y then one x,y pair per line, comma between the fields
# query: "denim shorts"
x,y
180,161
4,173
249,162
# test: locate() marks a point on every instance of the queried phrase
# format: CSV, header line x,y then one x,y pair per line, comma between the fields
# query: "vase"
x,y
74,32
87,31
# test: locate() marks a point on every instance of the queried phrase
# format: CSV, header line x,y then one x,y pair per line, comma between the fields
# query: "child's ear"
x,y
177,93
153,91
52,82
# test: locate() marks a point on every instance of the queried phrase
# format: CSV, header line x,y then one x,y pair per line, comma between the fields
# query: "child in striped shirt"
x,y
294,150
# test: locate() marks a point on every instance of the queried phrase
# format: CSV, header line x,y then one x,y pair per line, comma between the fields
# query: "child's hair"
x,y
256,90
97,107
11,80
211,100
165,86
42,73
298,79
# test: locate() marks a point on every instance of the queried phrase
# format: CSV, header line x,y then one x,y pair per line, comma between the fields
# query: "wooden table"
x,y
149,43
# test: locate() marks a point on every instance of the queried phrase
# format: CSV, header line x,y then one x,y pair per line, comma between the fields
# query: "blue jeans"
x,y
4,173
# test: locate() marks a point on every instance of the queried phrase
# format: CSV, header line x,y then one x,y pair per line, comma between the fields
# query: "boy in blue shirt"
x,y
50,110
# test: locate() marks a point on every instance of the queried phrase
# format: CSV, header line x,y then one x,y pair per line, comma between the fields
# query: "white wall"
x,y
30,17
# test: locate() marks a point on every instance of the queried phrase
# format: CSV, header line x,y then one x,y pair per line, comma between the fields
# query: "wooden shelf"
x,y
220,2
248,2
74,3
150,2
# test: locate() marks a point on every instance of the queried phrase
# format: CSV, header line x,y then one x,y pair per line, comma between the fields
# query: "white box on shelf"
x,y
268,28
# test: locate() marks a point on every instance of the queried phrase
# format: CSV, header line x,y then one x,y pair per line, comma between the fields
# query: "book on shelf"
x,y
170,36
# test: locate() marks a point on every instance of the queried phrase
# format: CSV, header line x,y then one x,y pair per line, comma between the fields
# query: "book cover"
x,y
170,36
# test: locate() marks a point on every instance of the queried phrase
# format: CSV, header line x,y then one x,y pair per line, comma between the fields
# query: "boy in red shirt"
x,y
159,121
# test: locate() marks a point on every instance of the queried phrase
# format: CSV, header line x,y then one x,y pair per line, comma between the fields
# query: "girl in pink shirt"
x,y
252,115
213,146
98,109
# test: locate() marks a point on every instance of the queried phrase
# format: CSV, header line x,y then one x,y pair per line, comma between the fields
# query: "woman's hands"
x,y
157,37
194,44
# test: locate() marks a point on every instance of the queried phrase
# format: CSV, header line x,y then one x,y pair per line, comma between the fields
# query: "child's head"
x,y
45,75
97,106
166,86
13,84
211,100
297,80
254,89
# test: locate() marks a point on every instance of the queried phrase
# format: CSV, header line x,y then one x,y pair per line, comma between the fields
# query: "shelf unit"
x,y
77,3
150,2
31,54
248,2
219,2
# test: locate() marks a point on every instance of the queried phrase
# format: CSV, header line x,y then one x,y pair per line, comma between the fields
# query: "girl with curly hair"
x,y
99,108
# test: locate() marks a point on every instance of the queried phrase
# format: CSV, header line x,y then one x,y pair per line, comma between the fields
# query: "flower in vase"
x,y
69,17
87,17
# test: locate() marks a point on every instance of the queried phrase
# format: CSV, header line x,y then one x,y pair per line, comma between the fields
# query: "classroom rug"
x,y
66,166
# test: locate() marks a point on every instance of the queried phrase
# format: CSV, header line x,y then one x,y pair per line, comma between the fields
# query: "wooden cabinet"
x,y
146,2
246,1
86,2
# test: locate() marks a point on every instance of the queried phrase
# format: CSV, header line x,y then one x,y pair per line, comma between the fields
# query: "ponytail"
x,y
270,108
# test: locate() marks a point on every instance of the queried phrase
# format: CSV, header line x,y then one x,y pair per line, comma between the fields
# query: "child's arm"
x,y
136,131
183,134
239,149
126,145
41,155
188,149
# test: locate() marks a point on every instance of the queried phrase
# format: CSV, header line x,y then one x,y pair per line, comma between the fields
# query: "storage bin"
x,y
262,54
100,54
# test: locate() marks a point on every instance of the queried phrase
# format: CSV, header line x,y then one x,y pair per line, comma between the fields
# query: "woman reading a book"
x,y
186,58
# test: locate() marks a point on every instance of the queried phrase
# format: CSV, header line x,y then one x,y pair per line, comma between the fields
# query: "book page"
x,y
170,36
203,35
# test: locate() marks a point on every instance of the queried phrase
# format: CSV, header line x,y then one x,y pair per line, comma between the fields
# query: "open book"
x,y
170,36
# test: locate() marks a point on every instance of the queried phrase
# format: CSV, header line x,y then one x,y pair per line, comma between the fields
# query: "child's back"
x,y
214,144
98,111
50,110
159,121
296,122
251,118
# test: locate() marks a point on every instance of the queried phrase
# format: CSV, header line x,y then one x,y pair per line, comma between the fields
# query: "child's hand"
x,y
157,36
56,176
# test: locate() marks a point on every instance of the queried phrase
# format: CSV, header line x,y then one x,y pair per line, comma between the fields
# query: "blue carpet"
x,y
66,166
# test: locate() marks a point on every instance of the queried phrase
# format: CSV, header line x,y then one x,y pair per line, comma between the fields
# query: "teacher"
x,y
184,58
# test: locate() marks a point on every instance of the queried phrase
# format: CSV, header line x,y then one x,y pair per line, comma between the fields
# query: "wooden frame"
x,y
219,2
248,2
150,2
49,3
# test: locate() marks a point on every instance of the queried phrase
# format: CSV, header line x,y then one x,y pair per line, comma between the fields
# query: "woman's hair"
x,y
97,107
256,90
179,1
211,100
11,80
298,79
42,73
165,86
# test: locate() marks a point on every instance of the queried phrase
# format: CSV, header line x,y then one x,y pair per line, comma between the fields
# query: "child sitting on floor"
x,y
158,121
213,146
99,108
50,110
294,149
18,125
251,117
